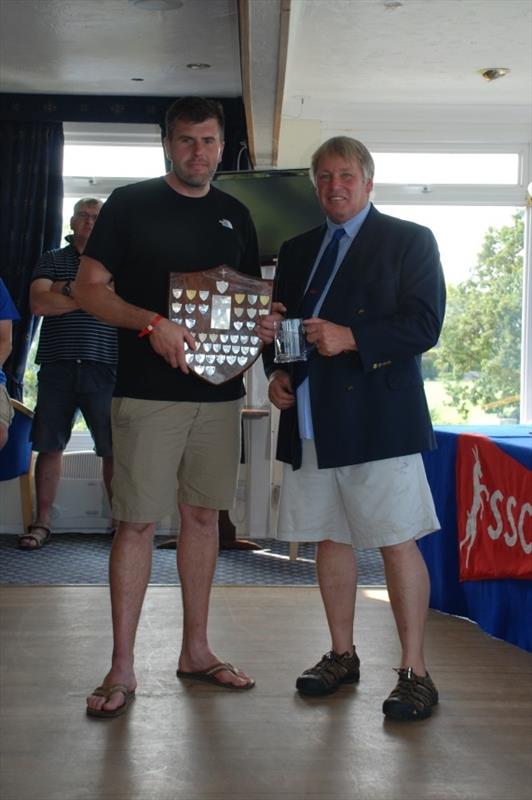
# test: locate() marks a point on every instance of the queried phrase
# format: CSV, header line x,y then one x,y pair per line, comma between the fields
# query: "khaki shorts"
x,y
167,451
6,409
366,505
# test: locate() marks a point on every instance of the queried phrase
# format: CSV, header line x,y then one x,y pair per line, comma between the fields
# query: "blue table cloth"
x,y
502,607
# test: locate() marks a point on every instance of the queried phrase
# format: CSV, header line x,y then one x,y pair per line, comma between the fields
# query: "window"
x,y
100,157
472,200
123,161
97,159
473,375
448,168
472,197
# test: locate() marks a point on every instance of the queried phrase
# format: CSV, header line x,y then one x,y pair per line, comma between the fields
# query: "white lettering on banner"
x,y
516,532
526,509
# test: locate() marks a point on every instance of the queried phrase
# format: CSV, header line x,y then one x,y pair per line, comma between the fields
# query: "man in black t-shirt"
x,y
171,430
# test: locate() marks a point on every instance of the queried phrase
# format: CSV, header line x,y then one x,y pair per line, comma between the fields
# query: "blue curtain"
x,y
31,199
117,108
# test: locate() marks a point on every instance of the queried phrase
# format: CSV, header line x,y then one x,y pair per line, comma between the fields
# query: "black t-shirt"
x,y
143,232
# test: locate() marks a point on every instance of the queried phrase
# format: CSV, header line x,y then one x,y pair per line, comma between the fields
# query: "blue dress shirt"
x,y
351,228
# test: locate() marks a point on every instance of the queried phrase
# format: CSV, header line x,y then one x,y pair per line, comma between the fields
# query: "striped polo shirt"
x,y
76,335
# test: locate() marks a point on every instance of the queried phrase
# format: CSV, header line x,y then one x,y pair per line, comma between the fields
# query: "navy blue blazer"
x,y
370,404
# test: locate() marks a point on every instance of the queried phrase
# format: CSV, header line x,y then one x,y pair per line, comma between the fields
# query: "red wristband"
x,y
150,326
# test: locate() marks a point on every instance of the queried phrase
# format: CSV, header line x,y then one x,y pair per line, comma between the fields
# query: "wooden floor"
x,y
199,743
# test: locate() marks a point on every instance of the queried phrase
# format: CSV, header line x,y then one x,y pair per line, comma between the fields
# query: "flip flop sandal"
x,y
209,676
40,541
108,692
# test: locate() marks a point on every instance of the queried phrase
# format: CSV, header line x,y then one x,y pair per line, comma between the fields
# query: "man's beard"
x,y
194,180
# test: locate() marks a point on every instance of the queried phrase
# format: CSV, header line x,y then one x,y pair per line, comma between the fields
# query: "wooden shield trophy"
x,y
221,308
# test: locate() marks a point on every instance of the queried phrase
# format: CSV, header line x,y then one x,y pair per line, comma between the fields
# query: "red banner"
x,y
494,505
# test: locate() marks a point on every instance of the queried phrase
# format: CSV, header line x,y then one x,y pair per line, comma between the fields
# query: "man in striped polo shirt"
x,y
77,355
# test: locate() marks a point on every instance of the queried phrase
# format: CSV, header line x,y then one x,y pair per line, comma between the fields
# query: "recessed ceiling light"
x,y
137,79
198,66
158,5
492,73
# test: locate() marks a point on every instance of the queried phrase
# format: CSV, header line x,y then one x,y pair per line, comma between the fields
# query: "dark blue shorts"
x,y
65,388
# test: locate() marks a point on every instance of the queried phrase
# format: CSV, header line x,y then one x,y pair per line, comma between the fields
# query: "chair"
x,y
16,458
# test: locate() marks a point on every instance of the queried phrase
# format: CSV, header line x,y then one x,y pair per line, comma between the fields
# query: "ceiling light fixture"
x,y
158,5
199,65
492,73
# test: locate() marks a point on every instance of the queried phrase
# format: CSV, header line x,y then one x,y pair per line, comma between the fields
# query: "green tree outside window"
x,y
478,357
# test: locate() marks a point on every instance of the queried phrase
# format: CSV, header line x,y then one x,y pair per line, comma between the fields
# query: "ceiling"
x,y
290,59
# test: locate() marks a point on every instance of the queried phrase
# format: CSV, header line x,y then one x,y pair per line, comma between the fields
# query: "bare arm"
x,y
93,295
91,291
46,299
5,340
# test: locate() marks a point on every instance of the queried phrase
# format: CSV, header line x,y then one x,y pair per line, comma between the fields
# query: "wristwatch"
x,y
66,290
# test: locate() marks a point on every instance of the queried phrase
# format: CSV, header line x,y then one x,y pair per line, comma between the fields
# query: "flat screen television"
x,y
282,203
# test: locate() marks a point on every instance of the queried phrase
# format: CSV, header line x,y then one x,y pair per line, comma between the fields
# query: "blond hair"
x,y
345,147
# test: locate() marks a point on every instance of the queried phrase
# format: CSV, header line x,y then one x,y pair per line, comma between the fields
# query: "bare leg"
x,y
337,576
408,584
107,474
129,573
47,477
197,552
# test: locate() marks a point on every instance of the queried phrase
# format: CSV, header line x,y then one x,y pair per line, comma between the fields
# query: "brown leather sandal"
x,y
107,692
210,676
39,540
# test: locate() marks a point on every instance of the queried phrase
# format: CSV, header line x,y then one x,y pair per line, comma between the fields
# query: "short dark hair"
x,y
348,148
194,109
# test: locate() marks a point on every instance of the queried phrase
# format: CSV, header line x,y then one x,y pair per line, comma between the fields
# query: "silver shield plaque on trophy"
x,y
221,308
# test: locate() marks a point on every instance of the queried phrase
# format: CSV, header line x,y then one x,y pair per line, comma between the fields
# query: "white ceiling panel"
x,y
412,52
100,46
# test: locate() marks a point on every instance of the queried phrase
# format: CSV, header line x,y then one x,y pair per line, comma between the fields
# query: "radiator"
x,y
82,465
81,503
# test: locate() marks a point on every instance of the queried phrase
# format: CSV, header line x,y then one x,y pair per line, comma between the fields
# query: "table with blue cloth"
x,y
502,607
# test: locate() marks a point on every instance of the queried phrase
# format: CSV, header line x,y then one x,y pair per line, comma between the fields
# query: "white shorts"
x,y
368,505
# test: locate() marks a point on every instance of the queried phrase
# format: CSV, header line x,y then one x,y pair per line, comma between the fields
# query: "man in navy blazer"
x,y
354,417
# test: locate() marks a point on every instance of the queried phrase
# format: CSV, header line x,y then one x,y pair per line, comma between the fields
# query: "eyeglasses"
x,y
85,216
